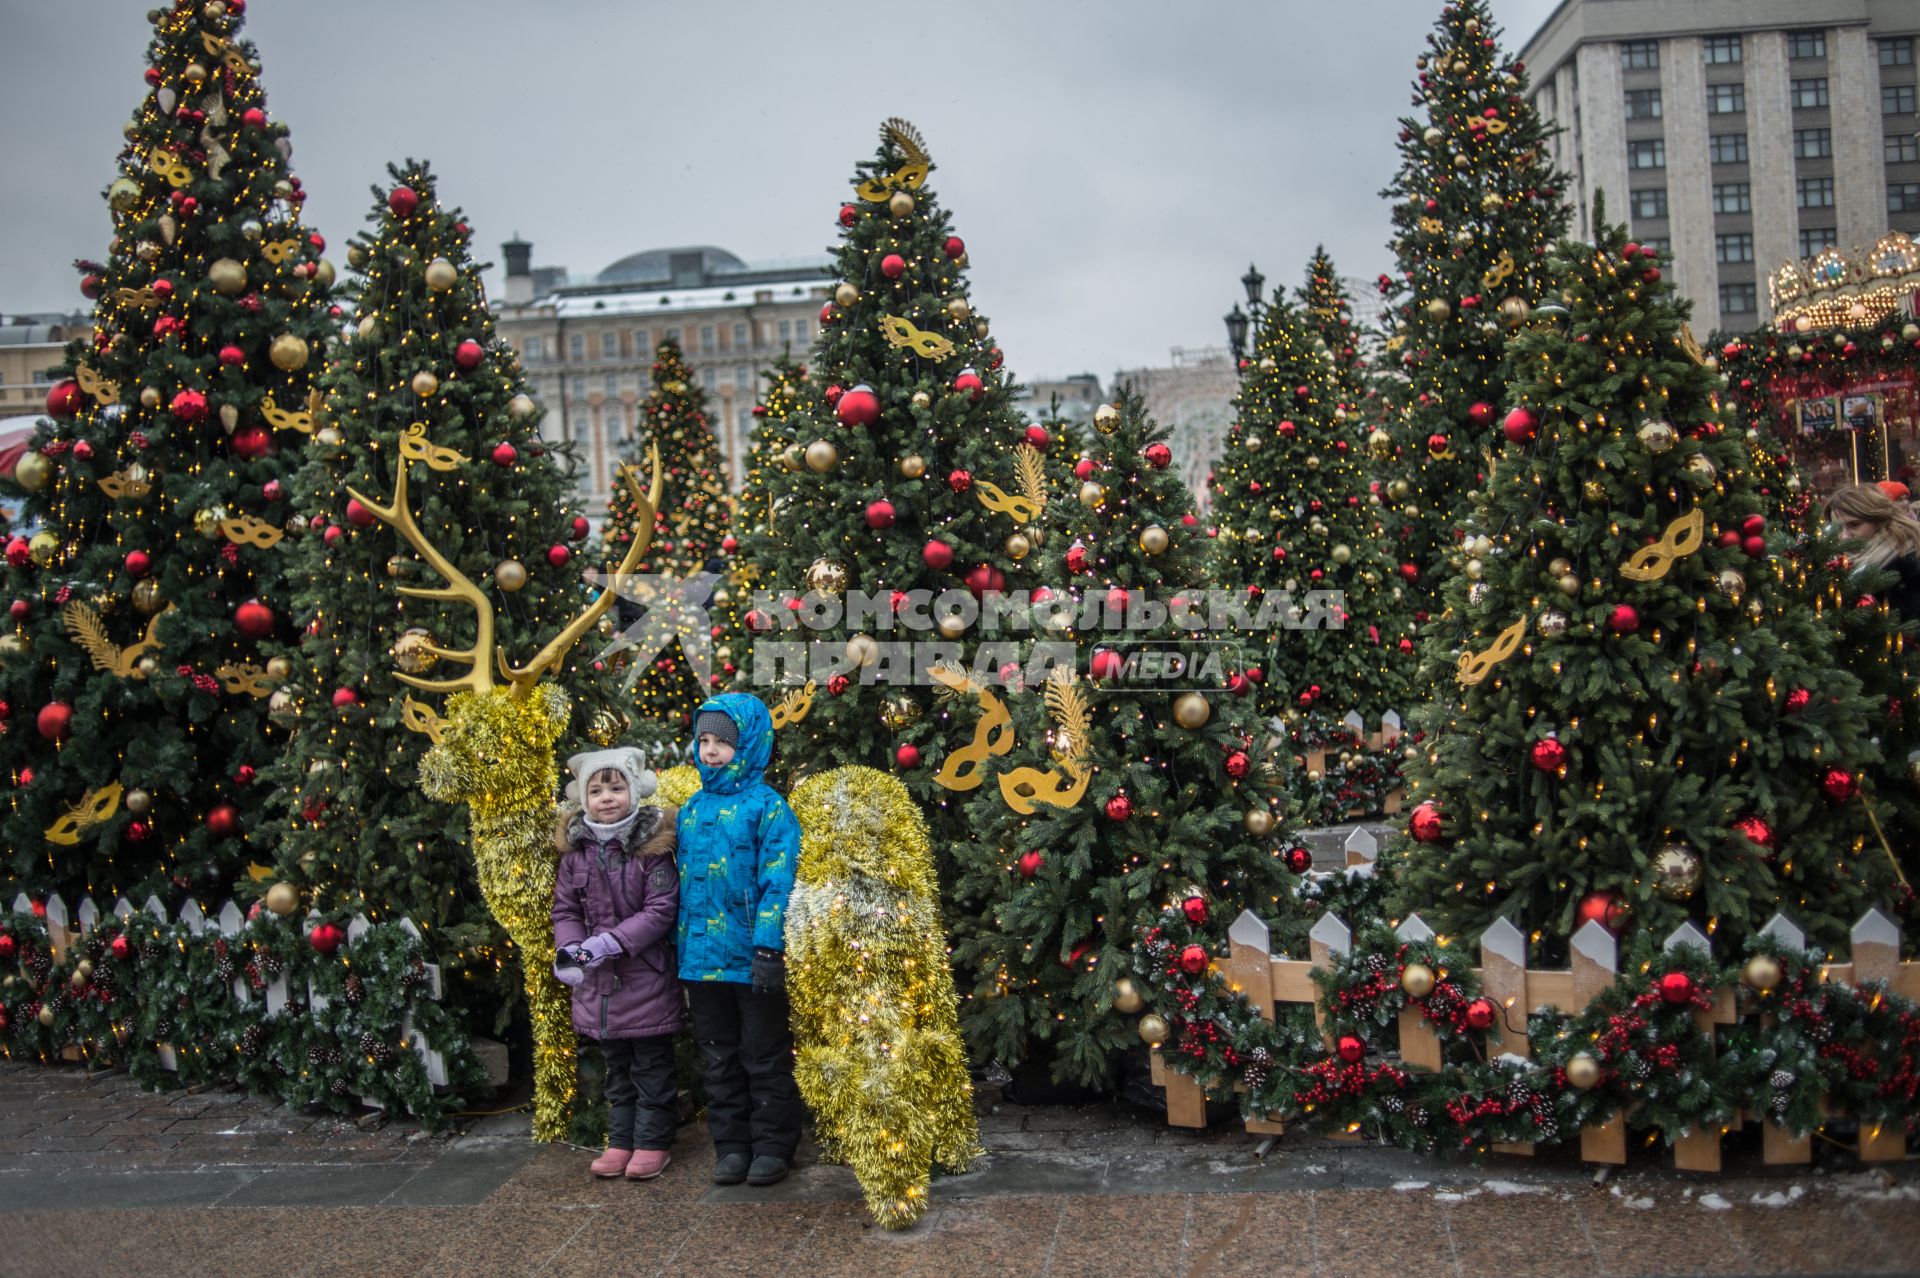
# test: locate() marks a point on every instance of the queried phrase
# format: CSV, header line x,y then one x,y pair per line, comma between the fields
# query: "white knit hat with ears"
x,y
626,760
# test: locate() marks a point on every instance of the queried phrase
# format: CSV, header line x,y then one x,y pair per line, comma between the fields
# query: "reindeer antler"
x,y
479,677
524,677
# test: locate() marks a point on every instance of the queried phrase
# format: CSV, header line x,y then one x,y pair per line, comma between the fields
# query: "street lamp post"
x,y
1239,321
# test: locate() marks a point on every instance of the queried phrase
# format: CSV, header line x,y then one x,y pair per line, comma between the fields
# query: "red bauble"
x,y
1195,909
1755,546
1083,469
579,529
848,214
985,577
167,327
1520,426
1481,1014
244,774
254,619
1106,664
557,555
967,382
1030,863
1076,559
1839,785
139,563
1158,455
880,514
1481,413
1037,436
54,719
1424,824
505,454
1677,988
232,356
1548,755
858,407
759,622
1410,572
65,399
254,118
827,313
1299,859
1631,251
1119,808
1437,444
223,821
959,481
893,266
188,406
468,354
1756,830
7,946
344,697
358,515
954,246
937,555
1194,960
1351,1048
1753,525
1286,429
251,443
1797,700
838,684
1624,620
1653,275
403,200
1607,908
907,756
271,490
325,937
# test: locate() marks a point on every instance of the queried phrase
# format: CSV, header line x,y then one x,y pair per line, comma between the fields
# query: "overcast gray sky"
x,y
1112,166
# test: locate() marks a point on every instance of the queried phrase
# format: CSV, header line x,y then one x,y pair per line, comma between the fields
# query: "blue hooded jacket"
x,y
739,845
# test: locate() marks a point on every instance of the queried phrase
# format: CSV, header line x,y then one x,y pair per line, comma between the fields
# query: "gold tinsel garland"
x,y
878,1053
677,785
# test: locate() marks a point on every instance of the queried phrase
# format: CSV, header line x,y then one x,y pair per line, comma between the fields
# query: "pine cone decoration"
x,y
356,989
150,951
1417,1115
1780,1080
224,969
271,964
252,1039
1392,1104
338,1087
162,1028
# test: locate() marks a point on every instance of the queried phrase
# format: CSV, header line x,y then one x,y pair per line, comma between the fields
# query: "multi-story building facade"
x,y
31,348
1073,397
1193,398
1739,134
587,345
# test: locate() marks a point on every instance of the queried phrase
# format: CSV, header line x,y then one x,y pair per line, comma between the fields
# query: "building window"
x,y
576,346
1650,203
706,377
1721,49
740,337
1896,99
1643,104
579,387
1815,193
801,331
1806,44
1656,243
1810,94
534,349
743,378
1726,99
1896,51
1903,197
582,428
1732,197
1733,248
609,345
1644,55
611,385
1738,299
1650,153
1902,148
1727,148
1812,144
786,331
706,339
1815,238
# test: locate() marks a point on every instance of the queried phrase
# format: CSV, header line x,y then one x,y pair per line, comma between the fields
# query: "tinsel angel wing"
x,y
907,138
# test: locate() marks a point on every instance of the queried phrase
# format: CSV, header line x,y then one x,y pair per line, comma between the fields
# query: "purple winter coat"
x,y
635,994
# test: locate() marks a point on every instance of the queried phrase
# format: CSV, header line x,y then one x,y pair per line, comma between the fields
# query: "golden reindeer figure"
x,y
494,752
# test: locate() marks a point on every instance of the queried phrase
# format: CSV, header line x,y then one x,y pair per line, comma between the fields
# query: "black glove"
x,y
769,971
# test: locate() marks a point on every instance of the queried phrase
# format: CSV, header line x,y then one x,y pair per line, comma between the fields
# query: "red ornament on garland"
x,y
468,354
959,481
1481,1014
65,399
1548,755
1606,907
1299,859
1237,764
1839,785
1037,436
325,937
838,684
1351,1049
893,266
880,514
505,454
54,720
7,946
358,515
232,356
937,555
1624,619
1797,700
402,201
985,577
254,118
19,552
967,382
1676,988
254,619
1119,808
579,529
1194,960
1030,863
188,406
857,407
1195,910
223,821
1425,824
907,756
827,313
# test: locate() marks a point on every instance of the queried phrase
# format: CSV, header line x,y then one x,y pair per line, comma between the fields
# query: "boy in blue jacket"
x,y
738,847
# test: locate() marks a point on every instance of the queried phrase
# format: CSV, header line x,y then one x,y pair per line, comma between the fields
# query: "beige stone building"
x,y
31,348
1740,134
1192,396
586,345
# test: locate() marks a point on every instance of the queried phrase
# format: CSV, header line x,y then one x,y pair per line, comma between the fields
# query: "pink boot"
x,y
648,1163
612,1163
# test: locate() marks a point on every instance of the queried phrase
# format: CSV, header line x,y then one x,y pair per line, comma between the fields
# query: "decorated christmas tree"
x,y
1327,308
1126,784
1476,205
145,608
905,480
773,454
420,381
1333,631
688,532
1647,723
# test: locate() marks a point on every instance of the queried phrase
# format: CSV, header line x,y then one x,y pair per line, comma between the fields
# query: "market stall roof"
x,y
15,434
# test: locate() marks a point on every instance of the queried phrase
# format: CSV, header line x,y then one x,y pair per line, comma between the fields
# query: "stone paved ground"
x,y
97,1176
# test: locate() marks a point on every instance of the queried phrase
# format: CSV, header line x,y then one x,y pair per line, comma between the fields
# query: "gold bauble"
x,y
510,575
288,353
139,802
1439,309
1106,419
229,418
1417,980
33,471
43,547
607,727
283,898
1731,584
1559,566
1399,489
912,466
1762,972
1092,495
1017,546
822,456
228,276
139,480
207,522
412,651
521,407
901,204
1259,822
1126,997
1552,623
1153,539
827,576
1153,1029
1568,584
862,650
1676,871
921,399
149,397
1380,444
980,329
281,707
846,295
441,275
1514,312
1594,491
324,274
45,1016
899,711
1582,1070
958,308
425,383
793,458
1700,467
146,596
1656,436
1313,461
1191,711
14,644
123,194
279,669
952,625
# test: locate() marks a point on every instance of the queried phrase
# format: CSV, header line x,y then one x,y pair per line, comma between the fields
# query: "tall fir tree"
x,y
1303,536
145,607
421,380
1327,307
1120,794
772,453
1648,724
1476,205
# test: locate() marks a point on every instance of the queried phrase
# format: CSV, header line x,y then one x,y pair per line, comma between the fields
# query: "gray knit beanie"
x,y
717,723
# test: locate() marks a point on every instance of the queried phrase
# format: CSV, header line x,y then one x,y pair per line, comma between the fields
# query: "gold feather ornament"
x,y
85,628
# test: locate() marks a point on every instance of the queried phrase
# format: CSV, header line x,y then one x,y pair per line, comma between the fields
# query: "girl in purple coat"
x,y
614,904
